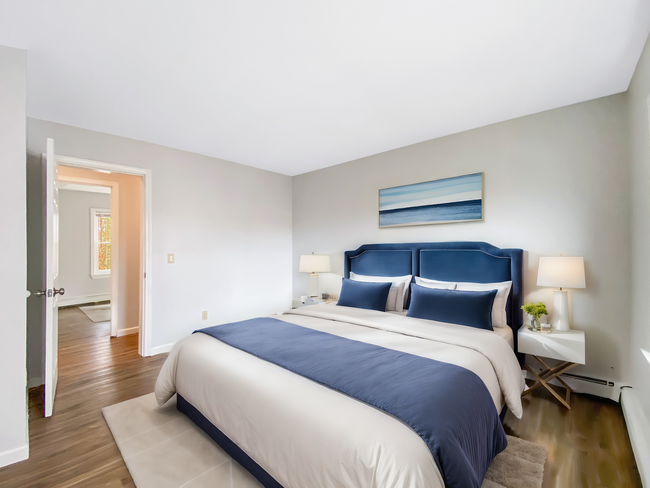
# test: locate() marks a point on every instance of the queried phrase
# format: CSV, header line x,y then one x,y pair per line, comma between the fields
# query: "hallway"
x,y
74,447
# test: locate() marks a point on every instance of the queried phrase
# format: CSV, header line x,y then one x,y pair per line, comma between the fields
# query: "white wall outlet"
x,y
204,315
170,259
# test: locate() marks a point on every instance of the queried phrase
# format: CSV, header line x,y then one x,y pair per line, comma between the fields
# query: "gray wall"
x,y
13,408
75,242
639,399
229,226
556,183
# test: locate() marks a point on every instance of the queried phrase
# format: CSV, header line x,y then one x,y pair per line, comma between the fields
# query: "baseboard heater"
x,y
588,379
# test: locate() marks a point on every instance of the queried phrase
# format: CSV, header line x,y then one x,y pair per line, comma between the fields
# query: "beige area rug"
x,y
521,465
98,313
162,448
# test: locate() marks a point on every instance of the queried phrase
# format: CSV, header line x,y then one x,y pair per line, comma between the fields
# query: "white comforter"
x,y
306,435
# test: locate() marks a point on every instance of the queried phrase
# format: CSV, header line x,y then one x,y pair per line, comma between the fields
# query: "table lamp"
x,y
314,263
562,272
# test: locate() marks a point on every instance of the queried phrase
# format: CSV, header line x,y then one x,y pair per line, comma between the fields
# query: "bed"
x,y
297,431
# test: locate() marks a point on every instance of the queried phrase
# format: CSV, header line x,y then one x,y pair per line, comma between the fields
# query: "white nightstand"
x,y
568,347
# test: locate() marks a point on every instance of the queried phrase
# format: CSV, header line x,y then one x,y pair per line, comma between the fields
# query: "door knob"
x,y
52,292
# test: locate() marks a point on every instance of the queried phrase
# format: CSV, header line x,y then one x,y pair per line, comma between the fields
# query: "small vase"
x,y
534,323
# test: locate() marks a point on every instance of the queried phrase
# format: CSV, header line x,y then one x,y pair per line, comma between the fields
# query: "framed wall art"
x,y
456,199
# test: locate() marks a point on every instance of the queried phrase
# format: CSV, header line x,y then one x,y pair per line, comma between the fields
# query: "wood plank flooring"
x,y
588,445
74,447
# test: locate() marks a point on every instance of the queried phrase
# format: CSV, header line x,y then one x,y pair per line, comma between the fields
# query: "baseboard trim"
x,y
13,456
609,392
70,301
123,332
638,428
34,382
162,349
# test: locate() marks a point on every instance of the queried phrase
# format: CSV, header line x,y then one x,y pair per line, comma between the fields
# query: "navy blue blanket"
x,y
448,406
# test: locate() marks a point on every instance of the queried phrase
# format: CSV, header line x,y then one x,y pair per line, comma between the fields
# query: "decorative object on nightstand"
x,y
567,347
562,272
305,301
314,263
535,310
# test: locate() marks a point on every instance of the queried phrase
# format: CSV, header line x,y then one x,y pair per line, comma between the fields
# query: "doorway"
x,y
125,251
135,214
131,222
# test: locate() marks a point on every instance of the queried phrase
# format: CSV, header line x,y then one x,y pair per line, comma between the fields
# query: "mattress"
x,y
304,434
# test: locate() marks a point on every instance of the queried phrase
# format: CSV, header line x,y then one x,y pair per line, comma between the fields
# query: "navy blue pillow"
x,y
472,308
361,294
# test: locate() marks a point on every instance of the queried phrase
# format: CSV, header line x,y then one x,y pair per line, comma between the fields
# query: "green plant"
x,y
535,310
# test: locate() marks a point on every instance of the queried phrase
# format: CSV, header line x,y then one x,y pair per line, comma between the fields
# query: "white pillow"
x,y
395,300
440,285
499,315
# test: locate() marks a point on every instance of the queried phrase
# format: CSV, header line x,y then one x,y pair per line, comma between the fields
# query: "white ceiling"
x,y
296,85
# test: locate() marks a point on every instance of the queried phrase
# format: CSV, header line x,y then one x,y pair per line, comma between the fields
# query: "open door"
x,y
51,278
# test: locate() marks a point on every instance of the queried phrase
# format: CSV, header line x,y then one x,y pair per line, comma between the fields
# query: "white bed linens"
x,y
507,334
504,332
307,435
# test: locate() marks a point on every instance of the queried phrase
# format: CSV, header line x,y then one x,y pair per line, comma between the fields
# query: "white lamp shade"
x,y
562,272
314,263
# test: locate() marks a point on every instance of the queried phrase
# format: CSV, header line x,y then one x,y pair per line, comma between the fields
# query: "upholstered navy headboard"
x,y
477,262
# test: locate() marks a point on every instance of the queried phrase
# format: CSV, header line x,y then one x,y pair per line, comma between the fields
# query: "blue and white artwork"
x,y
457,199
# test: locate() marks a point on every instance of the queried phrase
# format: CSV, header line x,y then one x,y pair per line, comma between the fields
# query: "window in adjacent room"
x,y
100,242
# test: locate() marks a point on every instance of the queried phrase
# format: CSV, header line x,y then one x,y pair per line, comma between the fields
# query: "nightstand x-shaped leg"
x,y
547,375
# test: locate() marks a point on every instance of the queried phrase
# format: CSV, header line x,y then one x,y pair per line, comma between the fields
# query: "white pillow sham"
x,y
396,295
440,285
499,315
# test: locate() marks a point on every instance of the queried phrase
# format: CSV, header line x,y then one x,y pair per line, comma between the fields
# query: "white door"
x,y
52,289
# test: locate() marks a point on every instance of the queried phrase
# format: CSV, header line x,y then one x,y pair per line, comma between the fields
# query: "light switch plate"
x,y
204,315
170,259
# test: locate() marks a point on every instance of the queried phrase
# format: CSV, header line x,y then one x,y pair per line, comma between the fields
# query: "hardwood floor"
x,y
588,445
74,447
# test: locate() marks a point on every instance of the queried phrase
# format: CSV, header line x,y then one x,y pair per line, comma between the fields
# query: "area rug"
x,y
98,313
163,448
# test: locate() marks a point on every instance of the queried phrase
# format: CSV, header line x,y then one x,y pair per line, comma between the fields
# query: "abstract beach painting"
x,y
457,199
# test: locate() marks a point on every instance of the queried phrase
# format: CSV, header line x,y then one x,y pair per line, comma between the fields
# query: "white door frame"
x,y
144,337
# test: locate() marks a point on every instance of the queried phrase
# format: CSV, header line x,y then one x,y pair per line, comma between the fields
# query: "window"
x,y
100,228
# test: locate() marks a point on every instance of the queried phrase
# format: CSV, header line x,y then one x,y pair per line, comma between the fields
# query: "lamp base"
x,y
313,285
560,319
